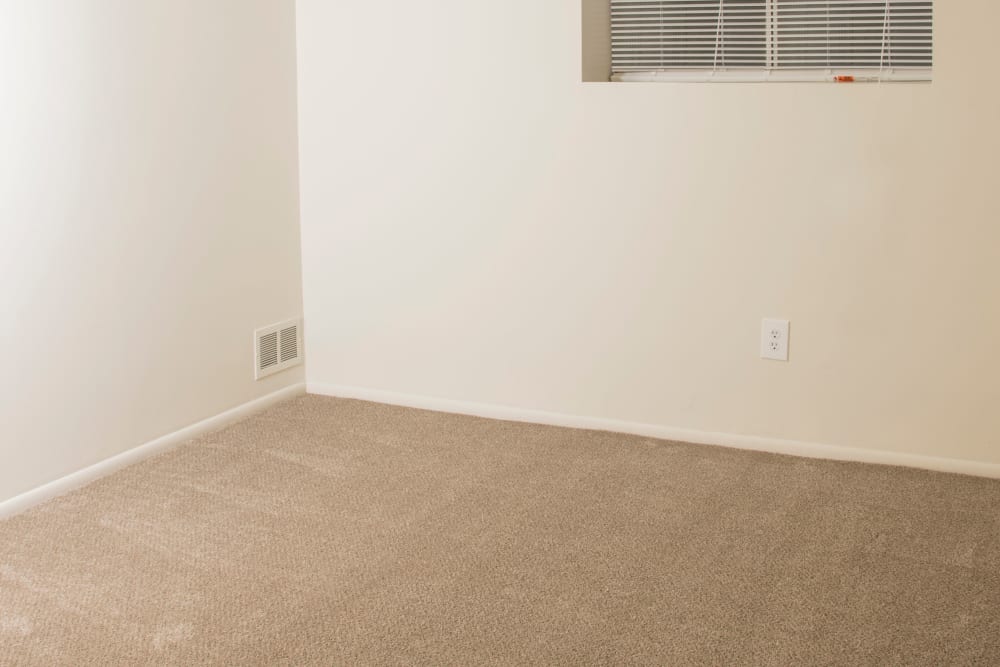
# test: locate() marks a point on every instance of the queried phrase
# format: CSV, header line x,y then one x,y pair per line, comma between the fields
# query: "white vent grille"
x,y
277,347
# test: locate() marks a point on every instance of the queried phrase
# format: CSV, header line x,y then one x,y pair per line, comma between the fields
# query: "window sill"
x,y
775,76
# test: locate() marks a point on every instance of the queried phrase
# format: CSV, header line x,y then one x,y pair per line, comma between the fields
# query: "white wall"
x,y
148,219
478,225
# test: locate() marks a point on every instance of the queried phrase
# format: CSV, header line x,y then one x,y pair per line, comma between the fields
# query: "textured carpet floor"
x,y
334,532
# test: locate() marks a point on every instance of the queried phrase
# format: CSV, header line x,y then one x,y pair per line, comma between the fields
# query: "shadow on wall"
x,y
596,40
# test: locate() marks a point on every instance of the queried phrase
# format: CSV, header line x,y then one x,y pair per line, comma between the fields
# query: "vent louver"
x,y
289,343
269,350
277,347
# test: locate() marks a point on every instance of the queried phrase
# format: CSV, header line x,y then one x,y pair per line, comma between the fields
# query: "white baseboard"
x,y
29,499
735,441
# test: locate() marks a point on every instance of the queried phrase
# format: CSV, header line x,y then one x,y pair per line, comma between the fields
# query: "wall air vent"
x,y
277,347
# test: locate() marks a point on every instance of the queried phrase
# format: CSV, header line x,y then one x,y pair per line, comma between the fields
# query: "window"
x,y
771,40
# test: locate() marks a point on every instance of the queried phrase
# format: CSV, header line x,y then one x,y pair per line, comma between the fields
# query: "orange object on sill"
x,y
844,79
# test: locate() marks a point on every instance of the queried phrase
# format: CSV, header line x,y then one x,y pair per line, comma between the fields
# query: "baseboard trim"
x,y
732,440
29,499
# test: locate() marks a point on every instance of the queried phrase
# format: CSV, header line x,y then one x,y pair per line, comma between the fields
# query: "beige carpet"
x,y
334,532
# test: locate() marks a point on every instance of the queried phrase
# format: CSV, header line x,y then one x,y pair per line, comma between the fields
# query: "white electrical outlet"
x,y
774,340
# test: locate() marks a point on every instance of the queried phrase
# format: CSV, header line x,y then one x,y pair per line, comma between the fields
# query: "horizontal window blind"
x,y
688,34
852,34
771,35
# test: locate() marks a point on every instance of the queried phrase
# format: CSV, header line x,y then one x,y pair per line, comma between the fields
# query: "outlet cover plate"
x,y
774,339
